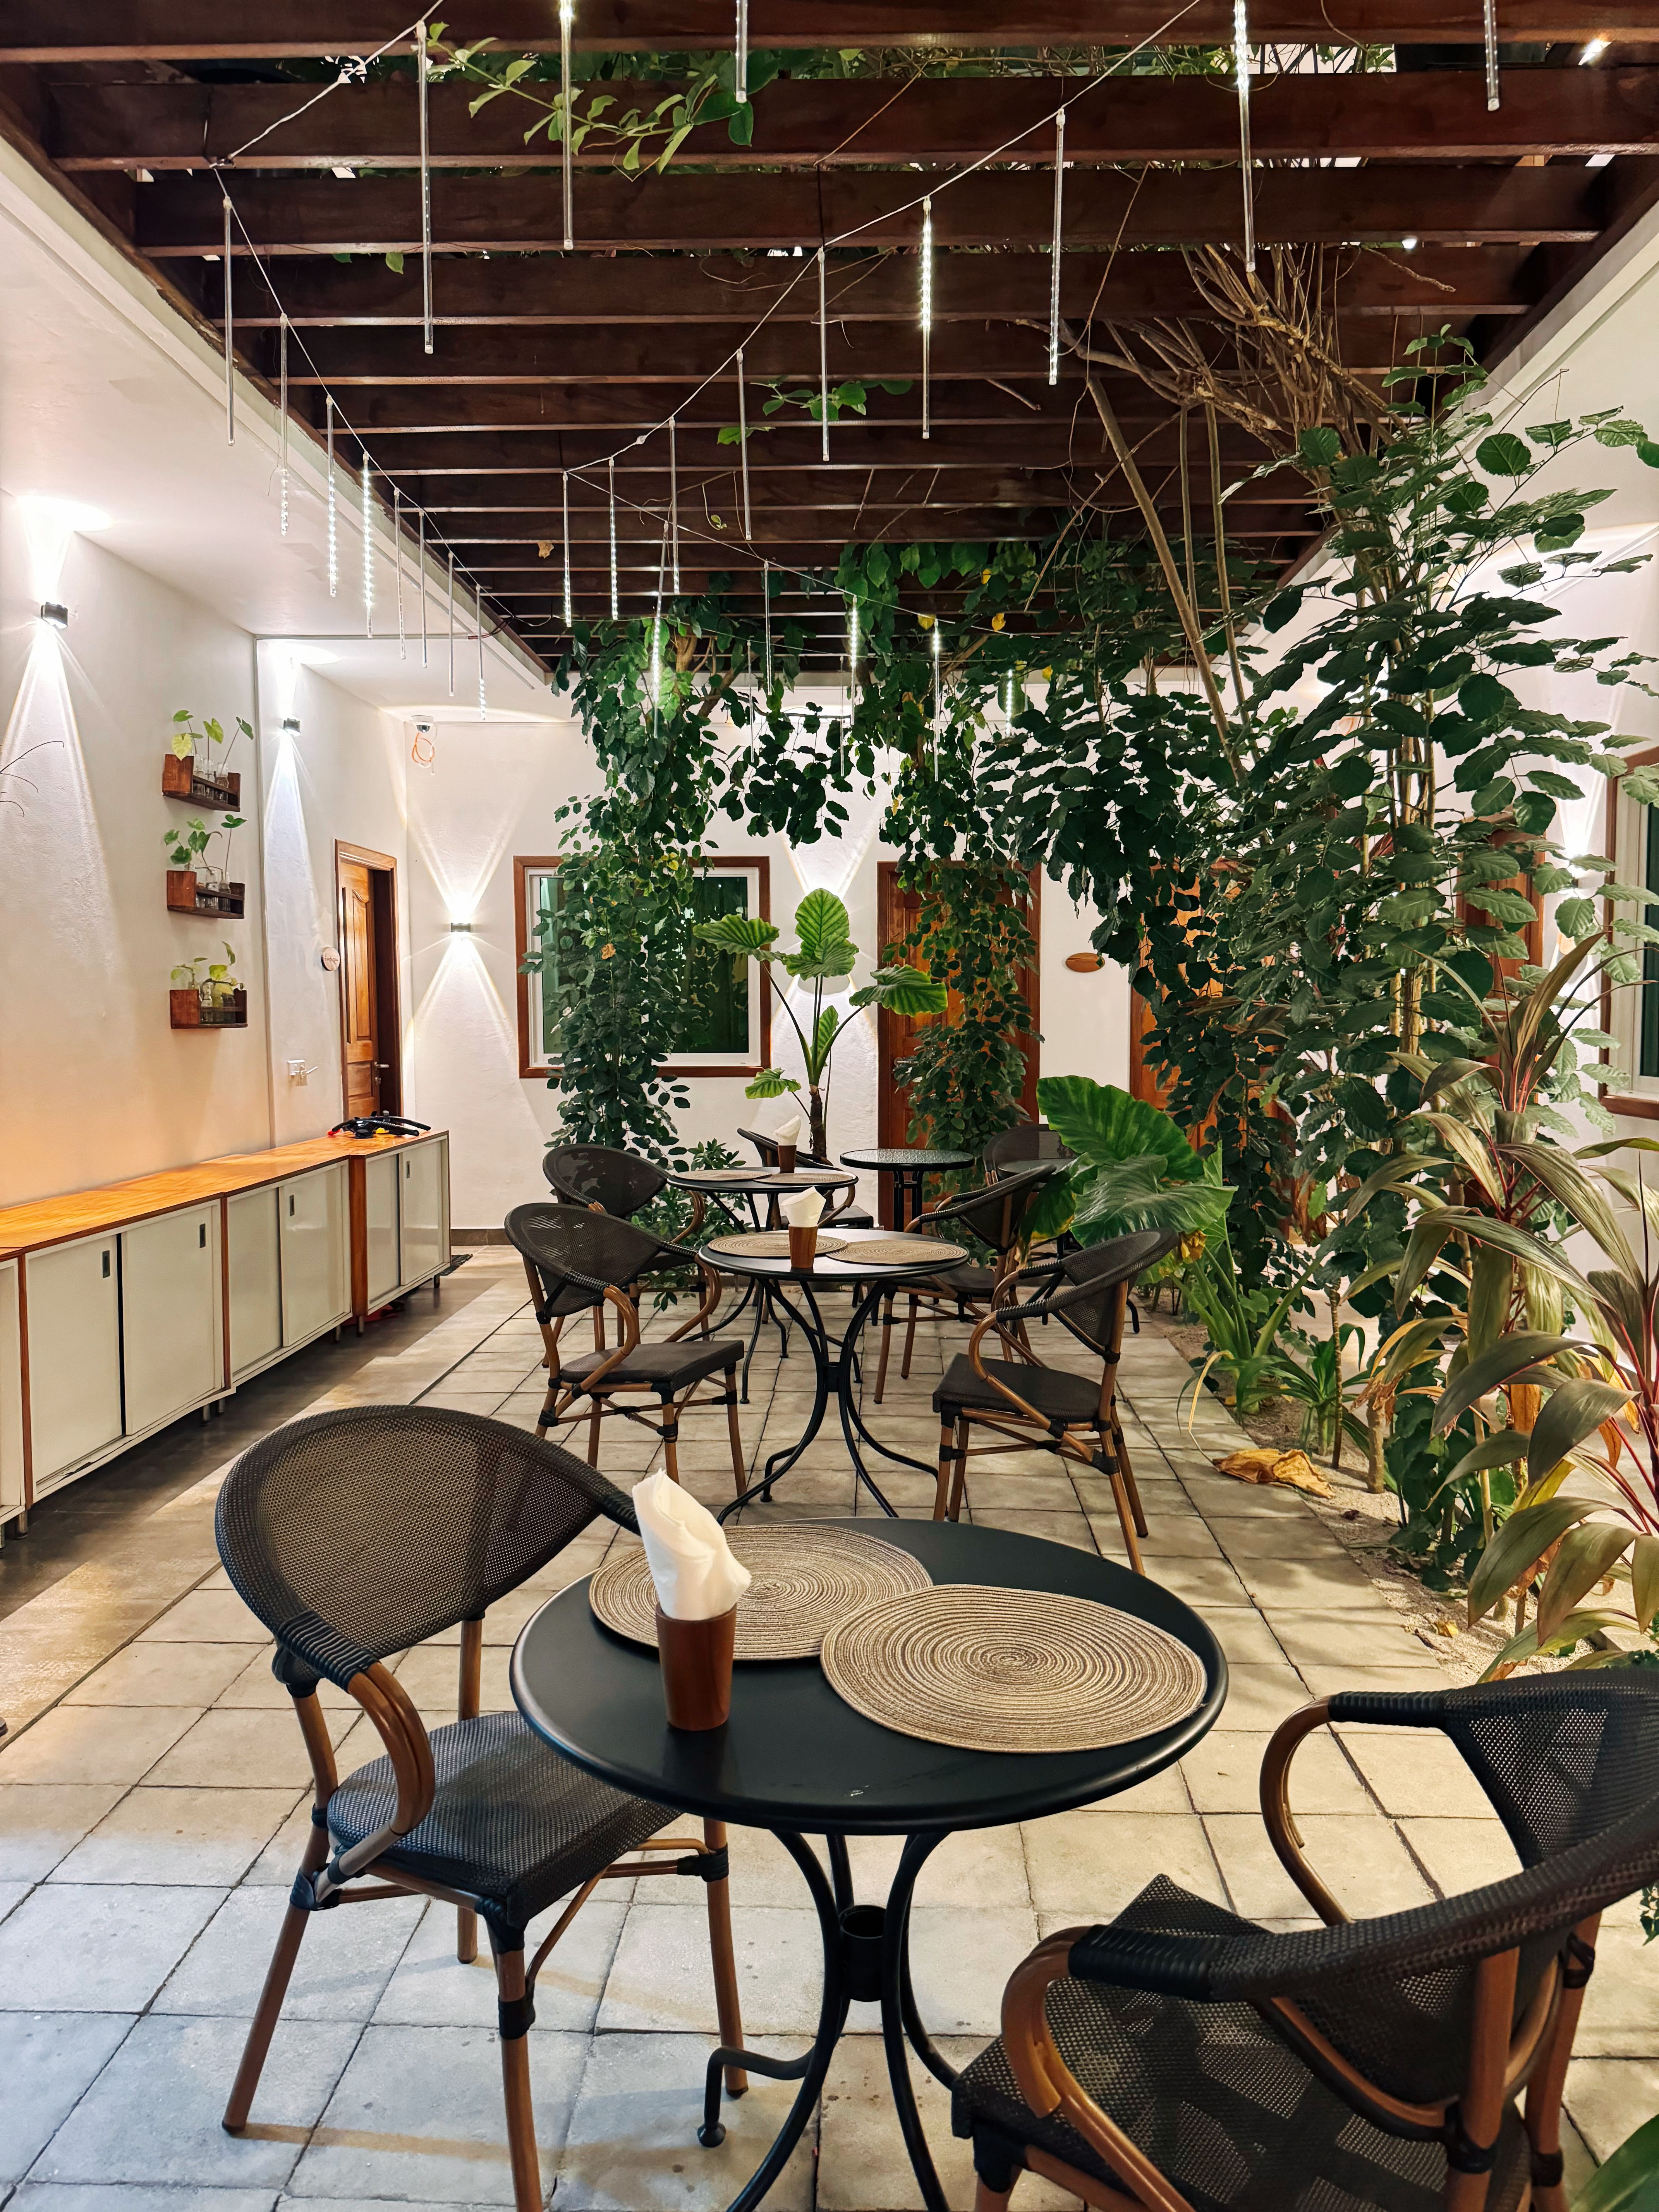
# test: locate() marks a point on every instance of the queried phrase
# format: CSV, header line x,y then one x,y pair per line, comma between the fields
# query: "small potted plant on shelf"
x,y
195,884
190,770
213,1000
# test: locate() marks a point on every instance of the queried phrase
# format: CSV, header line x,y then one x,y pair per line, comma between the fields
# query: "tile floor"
x,y
152,1809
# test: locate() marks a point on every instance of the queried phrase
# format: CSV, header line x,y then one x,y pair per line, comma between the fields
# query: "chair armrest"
x,y
1145,1958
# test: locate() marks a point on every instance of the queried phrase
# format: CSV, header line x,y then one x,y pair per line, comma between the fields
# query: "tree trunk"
x,y
820,1141
1375,1471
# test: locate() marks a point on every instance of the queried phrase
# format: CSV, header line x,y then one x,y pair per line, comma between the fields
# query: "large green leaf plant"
x,y
824,954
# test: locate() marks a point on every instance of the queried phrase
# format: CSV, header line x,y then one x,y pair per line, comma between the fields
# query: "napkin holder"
x,y
786,1157
803,1248
696,1667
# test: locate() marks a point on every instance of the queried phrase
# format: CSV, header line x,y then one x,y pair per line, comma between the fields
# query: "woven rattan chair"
x,y
353,1535
1013,1149
996,1215
1037,1408
839,1209
1182,2059
575,1260
599,1174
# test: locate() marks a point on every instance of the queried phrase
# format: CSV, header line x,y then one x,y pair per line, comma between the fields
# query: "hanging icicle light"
x,y
450,615
398,553
421,562
333,512
1054,267
740,74
568,617
567,24
852,649
934,640
615,601
1242,80
824,355
423,72
483,696
368,552
674,501
282,408
743,442
1489,24
230,335
765,619
654,677
926,310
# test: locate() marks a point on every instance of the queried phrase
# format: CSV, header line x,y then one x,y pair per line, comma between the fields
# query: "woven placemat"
x,y
768,1244
805,1578
908,1252
1010,1670
714,1178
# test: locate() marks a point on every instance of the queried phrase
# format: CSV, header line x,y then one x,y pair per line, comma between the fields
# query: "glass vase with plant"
x,y
194,741
188,848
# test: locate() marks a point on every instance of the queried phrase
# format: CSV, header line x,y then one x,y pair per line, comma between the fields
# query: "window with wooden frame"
x,y
729,1022
1631,1012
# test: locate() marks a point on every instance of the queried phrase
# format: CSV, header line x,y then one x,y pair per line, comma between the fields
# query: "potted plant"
x,y
195,884
211,1001
191,771
824,953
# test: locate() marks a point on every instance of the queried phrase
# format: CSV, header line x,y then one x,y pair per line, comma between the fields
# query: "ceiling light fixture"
x,y
1246,162
740,87
610,476
567,23
423,72
333,509
230,334
1489,24
742,443
282,408
340,169
1053,265
824,360
926,311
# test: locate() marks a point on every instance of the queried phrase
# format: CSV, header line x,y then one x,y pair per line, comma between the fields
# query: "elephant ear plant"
x,y
824,954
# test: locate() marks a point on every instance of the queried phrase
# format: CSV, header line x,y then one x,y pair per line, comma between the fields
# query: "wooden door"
x,y
897,913
360,1052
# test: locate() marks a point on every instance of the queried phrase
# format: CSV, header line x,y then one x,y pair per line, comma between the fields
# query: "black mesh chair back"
x,y
599,1174
578,1255
1097,1282
355,1533
996,1212
767,1149
1026,1140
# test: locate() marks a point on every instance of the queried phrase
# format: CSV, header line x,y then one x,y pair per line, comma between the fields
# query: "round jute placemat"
x,y
714,1178
908,1252
768,1244
805,1578
1009,1670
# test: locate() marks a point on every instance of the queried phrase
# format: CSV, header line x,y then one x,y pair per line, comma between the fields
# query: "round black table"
x,y
769,1183
793,1759
910,1166
835,1359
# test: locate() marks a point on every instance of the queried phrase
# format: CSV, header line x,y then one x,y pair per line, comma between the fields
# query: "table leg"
x,y
899,2018
852,1423
818,1342
812,2069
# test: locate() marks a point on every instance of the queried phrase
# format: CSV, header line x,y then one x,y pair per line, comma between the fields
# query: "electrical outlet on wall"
x,y
299,1073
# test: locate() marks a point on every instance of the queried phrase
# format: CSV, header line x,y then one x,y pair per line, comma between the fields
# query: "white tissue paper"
x,y
685,1548
804,1211
787,1132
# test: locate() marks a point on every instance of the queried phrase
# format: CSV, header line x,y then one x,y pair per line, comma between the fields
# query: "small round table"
x,y
909,1165
834,1360
793,1759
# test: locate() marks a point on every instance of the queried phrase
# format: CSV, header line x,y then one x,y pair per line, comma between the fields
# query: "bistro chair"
x,y
353,1535
1038,1408
841,1209
995,1214
574,1259
599,1174
1182,2059
1013,1149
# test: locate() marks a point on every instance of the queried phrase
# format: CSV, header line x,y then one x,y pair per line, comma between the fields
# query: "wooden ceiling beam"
x,y
825,491
1488,204
227,30
1439,114
430,466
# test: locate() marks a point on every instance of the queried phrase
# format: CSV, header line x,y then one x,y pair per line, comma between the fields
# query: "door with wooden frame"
x,y
370,1062
897,913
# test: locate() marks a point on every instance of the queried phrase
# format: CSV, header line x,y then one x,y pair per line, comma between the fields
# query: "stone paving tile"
x,y
80,1946
47,2062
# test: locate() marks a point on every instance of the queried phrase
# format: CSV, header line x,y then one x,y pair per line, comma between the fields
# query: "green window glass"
x,y
716,1009
1649,1053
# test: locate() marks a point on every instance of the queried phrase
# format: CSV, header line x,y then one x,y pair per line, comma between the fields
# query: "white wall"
x,y
491,793
94,1084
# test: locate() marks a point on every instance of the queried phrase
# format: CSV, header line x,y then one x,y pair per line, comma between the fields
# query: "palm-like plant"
x,y
824,954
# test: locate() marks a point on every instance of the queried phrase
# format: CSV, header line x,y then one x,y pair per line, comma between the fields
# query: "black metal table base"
x,y
866,1960
835,1373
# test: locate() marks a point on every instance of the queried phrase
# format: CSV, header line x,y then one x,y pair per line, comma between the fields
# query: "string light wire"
x,y
368,551
823,354
616,606
566,493
451,617
1053,265
422,78
742,443
282,408
927,313
674,499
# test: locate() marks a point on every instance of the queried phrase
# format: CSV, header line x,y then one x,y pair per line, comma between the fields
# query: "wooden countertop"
x,y
112,1205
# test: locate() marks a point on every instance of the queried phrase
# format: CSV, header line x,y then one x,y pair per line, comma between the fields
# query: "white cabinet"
x,y
172,1321
73,1304
381,1176
12,1495
424,1226
256,1280
312,1224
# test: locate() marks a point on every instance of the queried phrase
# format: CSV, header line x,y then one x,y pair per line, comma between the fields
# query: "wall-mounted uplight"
x,y
57,615
461,928
1592,52
291,726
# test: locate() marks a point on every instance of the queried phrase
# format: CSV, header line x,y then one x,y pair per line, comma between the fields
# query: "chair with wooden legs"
x,y
1032,1407
1181,2059
839,1208
600,1174
575,1259
995,1214
1010,1150
353,1535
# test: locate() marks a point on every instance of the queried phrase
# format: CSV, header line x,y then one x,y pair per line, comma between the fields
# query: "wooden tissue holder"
x,y
787,1159
696,1667
803,1248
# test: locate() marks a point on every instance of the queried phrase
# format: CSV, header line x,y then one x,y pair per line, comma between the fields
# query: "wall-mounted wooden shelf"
x,y
182,779
189,1013
188,894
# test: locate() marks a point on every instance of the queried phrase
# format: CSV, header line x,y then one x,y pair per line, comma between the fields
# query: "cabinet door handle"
x,y
106,1267
201,1236
290,1205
